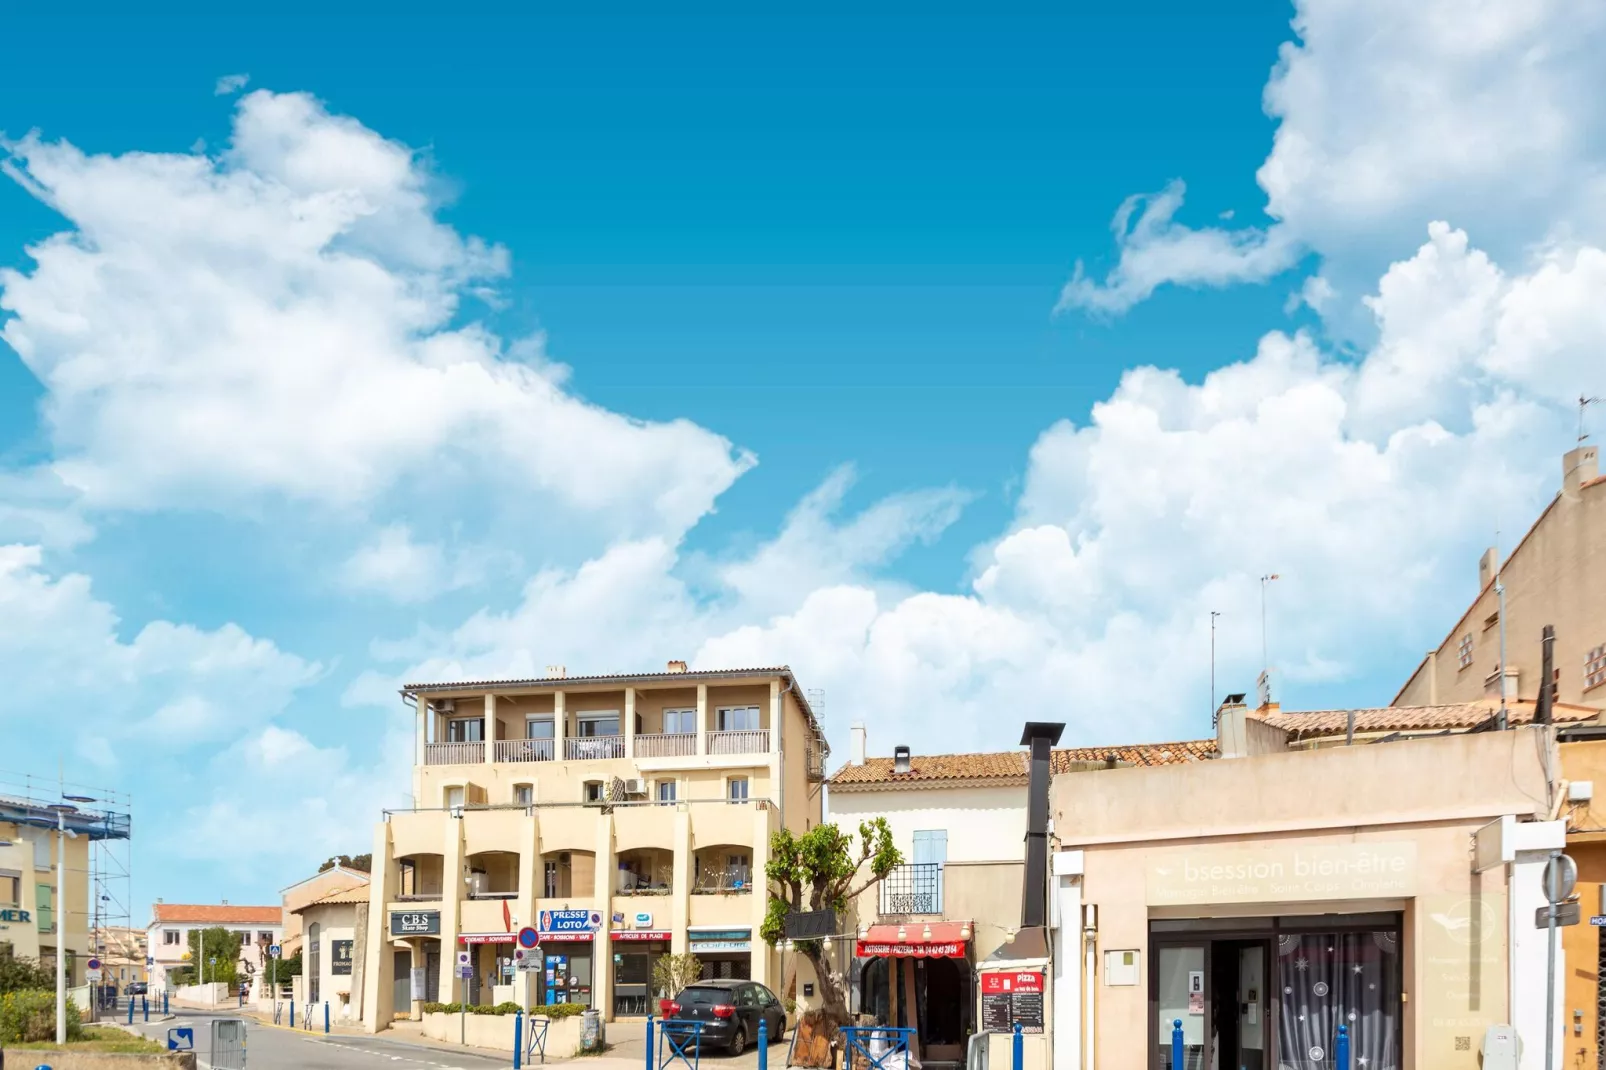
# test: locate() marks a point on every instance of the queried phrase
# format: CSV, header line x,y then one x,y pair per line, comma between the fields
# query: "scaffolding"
x,y
100,814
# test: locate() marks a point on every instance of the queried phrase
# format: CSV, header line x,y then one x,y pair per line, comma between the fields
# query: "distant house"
x,y
168,935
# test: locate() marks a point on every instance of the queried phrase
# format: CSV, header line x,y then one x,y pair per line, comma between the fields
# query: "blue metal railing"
x,y
878,1044
679,1040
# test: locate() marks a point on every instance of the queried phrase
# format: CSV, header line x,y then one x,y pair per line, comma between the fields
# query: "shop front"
x,y
568,958
726,954
635,951
919,976
491,957
1267,905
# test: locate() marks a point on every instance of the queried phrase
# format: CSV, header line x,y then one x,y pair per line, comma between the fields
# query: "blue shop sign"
x,y
19,916
570,921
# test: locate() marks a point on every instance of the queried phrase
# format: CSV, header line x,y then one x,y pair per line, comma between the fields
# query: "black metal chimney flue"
x,y
1040,736
1544,704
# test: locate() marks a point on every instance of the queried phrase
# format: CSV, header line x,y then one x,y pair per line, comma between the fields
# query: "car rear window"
x,y
704,994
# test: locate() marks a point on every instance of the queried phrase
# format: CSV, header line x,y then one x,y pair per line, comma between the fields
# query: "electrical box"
x,y
1501,1048
1120,968
1580,791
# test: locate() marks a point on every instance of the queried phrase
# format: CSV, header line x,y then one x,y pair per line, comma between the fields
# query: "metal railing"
x,y
913,888
741,741
454,753
666,745
525,750
724,880
590,747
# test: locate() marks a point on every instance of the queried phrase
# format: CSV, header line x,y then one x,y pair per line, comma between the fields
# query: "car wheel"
x,y
780,1030
739,1040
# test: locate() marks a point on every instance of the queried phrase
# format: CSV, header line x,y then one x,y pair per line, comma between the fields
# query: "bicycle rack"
x,y
865,1039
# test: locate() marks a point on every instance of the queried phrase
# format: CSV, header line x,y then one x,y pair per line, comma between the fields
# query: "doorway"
x,y
1264,993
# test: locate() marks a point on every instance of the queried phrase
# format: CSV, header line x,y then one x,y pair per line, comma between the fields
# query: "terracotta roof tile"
x,y
358,894
208,914
1010,766
1416,718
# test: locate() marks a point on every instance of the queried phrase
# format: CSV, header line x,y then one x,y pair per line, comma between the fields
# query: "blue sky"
x,y
755,337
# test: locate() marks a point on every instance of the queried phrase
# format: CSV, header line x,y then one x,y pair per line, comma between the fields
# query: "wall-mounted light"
x,y
903,934
964,931
926,933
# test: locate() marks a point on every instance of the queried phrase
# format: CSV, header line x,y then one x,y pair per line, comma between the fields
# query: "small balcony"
x,y
741,741
454,753
585,748
666,745
915,888
525,750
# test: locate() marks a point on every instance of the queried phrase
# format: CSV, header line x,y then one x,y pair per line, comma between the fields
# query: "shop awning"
x,y
937,940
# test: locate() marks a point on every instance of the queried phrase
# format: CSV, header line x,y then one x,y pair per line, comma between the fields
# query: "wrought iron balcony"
x,y
914,888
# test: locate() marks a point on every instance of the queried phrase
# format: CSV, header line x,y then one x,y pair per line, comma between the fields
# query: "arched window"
x,y
314,962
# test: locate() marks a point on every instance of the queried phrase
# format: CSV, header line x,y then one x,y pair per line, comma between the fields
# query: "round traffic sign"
x,y
94,964
529,938
1565,878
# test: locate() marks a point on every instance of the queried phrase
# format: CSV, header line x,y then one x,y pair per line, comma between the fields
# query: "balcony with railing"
x,y
914,888
666,745
525,750
454,753
739,741
584,748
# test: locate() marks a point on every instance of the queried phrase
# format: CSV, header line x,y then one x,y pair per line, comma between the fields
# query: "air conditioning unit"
x,y
449,706
635,786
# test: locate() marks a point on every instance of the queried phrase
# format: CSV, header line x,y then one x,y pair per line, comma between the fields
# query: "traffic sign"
x,y
213,960
1597,920
1565,877
1566,914
273,951
465,972
181,1038
528,937
462,958
94,964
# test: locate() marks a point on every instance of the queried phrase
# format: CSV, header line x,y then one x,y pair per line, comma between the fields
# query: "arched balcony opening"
x,y
722,869
645,871
493,875
421,877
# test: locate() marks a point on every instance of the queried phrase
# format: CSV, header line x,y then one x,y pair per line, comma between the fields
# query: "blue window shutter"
x,y
931,847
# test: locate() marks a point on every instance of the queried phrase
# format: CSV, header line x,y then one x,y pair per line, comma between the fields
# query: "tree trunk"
x,y
817,1029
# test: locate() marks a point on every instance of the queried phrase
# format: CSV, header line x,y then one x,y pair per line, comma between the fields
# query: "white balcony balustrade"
x,y
592,747
666,745
525,750
454,753
742,741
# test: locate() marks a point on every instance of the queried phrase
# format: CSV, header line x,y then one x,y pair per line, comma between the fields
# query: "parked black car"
x,y
136,988
730,1012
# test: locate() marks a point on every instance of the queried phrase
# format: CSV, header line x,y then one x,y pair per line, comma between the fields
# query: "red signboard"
x,y
1018,981
565,938
641,934
486,938
866,949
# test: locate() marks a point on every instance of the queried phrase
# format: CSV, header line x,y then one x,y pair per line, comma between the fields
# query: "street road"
x,y
268,1048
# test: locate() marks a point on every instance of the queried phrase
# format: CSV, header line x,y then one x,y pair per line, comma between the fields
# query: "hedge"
x,y
29,1016
556,1010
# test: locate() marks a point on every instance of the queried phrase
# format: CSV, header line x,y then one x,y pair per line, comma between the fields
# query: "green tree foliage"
x,y
671,973
822,870
18,974
206,945
360,863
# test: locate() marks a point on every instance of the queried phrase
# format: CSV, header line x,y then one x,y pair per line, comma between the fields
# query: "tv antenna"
x,y
1583,403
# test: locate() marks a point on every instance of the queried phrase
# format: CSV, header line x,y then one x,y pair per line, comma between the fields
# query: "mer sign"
x,y
19,916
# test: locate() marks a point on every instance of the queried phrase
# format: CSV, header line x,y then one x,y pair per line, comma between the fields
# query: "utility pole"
x,y
1213,615
1500,594
1265,649
61,926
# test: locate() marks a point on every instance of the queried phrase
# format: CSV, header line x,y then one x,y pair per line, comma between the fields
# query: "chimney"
x,y
677,666
225,902
557,671
900,759
1040,737
1578,467
858,734
1544,705
1487,564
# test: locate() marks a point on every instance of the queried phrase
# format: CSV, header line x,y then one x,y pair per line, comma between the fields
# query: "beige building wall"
x,y
1556,575
315,887
29,866
1153,839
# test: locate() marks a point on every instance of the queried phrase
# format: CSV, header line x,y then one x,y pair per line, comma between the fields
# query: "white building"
x,y
168,936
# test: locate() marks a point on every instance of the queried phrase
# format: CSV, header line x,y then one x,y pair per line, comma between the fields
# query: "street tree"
x,y
207,945
822,870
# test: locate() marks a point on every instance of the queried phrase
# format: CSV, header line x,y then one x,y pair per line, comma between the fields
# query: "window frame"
x,y
683,715
672,794
1595,668
1463,652
526,789
730,789
720,718
171,938
454,734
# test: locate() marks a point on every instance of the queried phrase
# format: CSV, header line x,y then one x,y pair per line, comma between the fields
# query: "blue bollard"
x,y
518,1038
292,1014
130,1010
1018,1053
649,1042
145,1005
763,1044
164,1003
1176,1044
325,1017
1341,1051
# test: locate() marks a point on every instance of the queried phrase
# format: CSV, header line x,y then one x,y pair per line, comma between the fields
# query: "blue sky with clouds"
x,y
963,359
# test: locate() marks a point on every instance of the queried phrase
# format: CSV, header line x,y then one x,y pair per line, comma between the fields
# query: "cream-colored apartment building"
x,y
621,817
1556,576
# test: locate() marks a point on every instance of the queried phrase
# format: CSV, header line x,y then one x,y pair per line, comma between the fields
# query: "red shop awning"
x,y
947,940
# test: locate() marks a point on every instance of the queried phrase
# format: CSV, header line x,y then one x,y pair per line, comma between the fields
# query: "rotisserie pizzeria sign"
x,y
953,950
